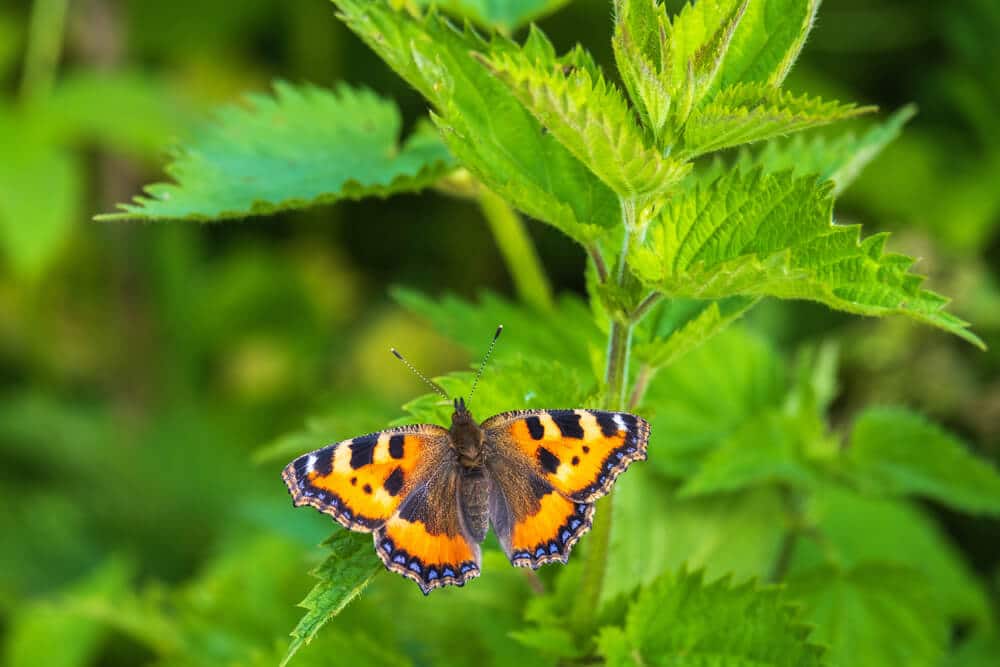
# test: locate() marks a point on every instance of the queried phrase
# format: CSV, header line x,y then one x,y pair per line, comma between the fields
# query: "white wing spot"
x,y
311,463
620,423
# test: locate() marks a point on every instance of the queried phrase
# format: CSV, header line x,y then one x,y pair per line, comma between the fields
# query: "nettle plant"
x,y
754,533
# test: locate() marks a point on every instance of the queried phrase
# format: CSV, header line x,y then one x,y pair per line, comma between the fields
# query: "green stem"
x,y
517,250
616,387
45,39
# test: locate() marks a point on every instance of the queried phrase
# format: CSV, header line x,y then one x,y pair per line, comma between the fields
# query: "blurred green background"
x,y
143,366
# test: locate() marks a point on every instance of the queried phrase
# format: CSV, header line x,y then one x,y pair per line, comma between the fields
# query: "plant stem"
x,y
645,306
45,39
639,389
616,389
598,259
517,250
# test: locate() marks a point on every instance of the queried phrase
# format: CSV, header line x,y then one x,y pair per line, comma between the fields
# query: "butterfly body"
x,y
429,494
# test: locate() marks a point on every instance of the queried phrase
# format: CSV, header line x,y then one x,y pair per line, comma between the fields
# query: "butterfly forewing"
x,y
361,482
579,452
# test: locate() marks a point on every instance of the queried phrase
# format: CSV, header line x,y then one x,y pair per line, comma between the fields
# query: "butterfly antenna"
x,y
430,383
482,366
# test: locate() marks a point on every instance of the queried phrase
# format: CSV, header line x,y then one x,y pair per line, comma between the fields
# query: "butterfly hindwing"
x,y
424,540
363,481
579,453
533,522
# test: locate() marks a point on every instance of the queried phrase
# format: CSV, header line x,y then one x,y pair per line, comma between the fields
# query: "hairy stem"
x,y
45,40
517,250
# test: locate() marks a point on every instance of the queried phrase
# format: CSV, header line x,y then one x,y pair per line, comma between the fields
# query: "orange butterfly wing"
x,y
579,452
399,484
549,466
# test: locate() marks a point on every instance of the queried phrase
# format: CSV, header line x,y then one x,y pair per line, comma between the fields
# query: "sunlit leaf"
x,y
839,159
763,234
343,576
745,113
516,158
589,116
300,147
680,618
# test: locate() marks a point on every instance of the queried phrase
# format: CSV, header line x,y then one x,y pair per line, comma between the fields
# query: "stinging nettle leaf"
x,y
745,113
589,116
839,159
300,147
482,122
896,451
668,66
768,41
763,234
684,620
343,575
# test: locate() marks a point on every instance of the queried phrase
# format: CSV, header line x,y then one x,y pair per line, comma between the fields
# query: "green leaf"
x,y
744,113
503,15
767,449
763,234
683,620
41,191
873,615
855,531
301,147
895,451
654,531
710,320
668,66
768,41
589,116
343,575
695,404
840,159
481,121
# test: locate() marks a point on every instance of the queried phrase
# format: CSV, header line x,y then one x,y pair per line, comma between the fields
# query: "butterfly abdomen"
x,y
473,500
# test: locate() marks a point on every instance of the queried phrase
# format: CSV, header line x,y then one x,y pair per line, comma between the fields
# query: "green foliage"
x,y
301,147
745,113
343,576
588,115
855,610
515,158
840,159
901,453
757,234
669,623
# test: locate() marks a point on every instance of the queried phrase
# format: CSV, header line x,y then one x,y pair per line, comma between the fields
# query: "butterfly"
x,y
429,494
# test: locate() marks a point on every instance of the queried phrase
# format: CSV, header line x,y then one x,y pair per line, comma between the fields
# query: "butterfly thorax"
x,y
466,437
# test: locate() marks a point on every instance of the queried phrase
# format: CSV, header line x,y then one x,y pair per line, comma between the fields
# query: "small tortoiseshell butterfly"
x,y
429,493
